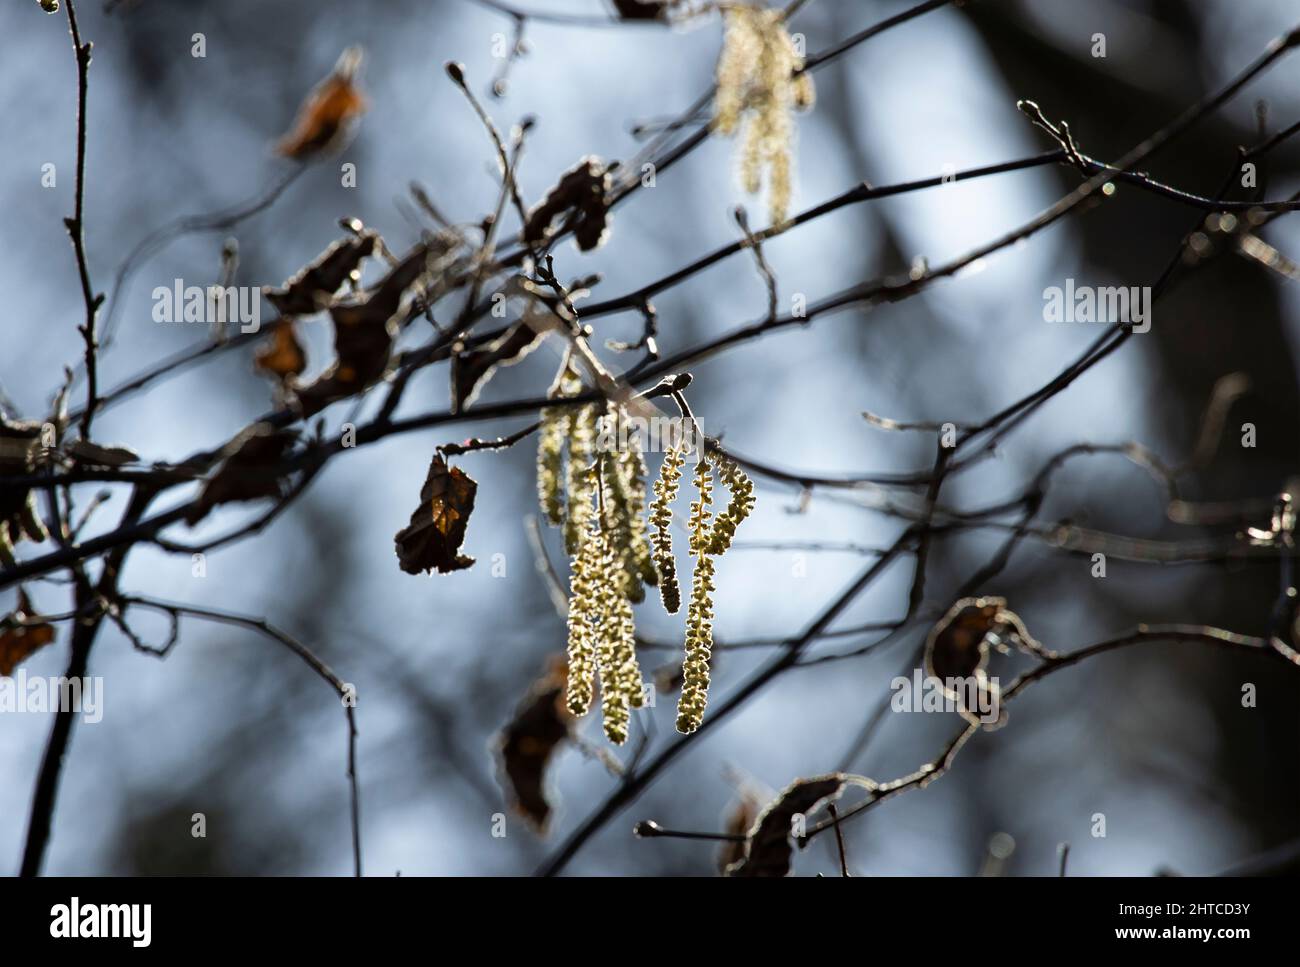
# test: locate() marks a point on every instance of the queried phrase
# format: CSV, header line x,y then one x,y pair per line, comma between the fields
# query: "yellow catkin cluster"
x,y
550,462
580,485
739,506
759,89
557,424
624,474
584,622
661,516
699,614
602,633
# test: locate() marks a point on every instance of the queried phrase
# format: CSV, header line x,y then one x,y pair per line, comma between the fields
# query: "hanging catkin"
x,y
739,505
661,516
699,614
581,485
758,87
583,619
557,424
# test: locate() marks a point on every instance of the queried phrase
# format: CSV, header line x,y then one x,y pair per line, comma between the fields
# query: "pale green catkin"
x,y
757,86
557,424
580,485
584,620
602,631
739,506
699,614
661,516
550,462
620,675
625,504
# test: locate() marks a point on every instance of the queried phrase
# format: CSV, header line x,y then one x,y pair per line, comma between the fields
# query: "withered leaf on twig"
x,y
541,723
283,356
251,469
768,850
957,646
364,330
313,288
582,194
740,820
471,370
20,452
437,529
18,640
643,9
87,454
326,117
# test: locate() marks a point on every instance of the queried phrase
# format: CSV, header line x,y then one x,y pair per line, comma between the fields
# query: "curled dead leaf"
x,y
768,850
471,370
314,287
364,330
957,655
87,454
739,821
957,647
251,470
283,356
643,9
582,196
541,724
18,639
328,113
437,529
21,452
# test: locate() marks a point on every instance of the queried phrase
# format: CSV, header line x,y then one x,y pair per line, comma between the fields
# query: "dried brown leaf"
x,y
327,114
582,196
87,454
17,640
643,9
437,529
739,821
314,287
768,850
470,371
282,356
251,469
540,725
364,330
20,453
957,647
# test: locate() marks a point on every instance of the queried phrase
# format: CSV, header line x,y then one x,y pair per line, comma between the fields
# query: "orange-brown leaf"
x,y
327,114
283,355
540,725
437,529
18,640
